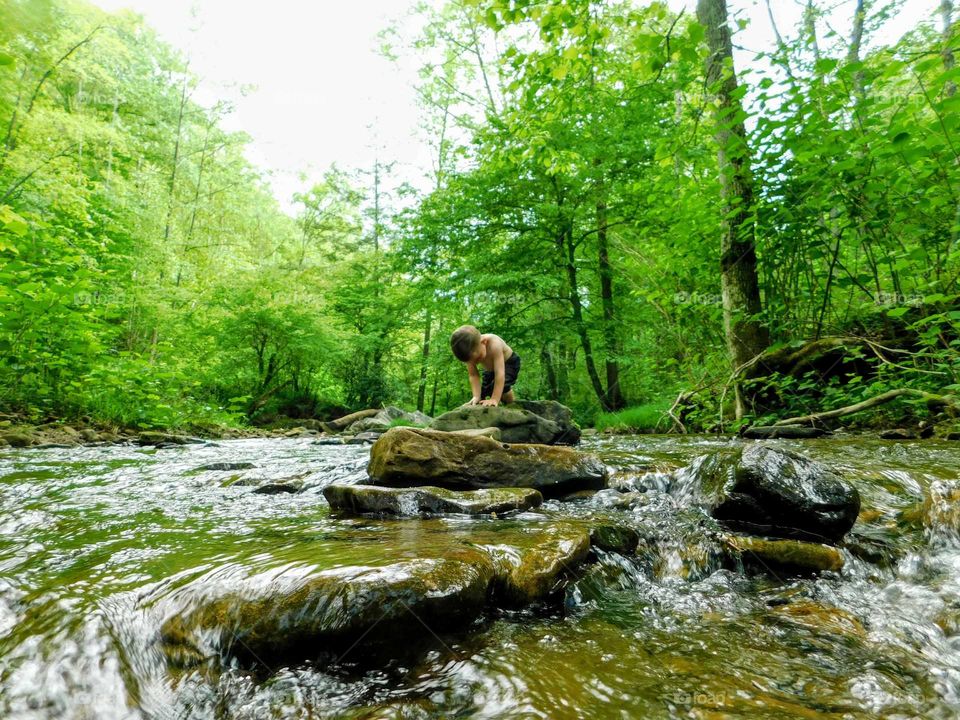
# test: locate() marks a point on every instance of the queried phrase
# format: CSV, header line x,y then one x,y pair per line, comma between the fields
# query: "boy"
x,y
501,364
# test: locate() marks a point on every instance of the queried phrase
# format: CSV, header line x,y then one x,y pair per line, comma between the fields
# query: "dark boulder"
x,y
778,493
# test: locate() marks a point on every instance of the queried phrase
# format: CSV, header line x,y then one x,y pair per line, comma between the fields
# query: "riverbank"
x,y
64,435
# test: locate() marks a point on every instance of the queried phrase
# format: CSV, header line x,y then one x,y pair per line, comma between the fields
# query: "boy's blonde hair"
x,y
464,342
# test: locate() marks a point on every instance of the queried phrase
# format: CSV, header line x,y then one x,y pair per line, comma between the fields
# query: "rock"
x,y
364,438
225,466
151,437
517,424
276,488
898,434
524,575
791,556
490,432
616,500
615,538
328,441
954,435
588,432
342,423
411,501
381,421
297,611
334,609
779,493
387,417
762,432
19,439
89,435
295,432
406,457
555,412
828,621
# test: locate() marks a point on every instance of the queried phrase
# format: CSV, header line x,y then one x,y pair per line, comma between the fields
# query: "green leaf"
x,y
7,59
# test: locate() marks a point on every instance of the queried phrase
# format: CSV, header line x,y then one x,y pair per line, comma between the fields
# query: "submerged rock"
x,y
410,501
778,493
545,422
225,466
793,556
406,457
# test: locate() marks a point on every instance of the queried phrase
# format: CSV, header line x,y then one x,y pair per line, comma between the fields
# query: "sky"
x,y
309,86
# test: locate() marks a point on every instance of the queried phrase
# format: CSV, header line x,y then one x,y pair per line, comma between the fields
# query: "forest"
x,y
670,241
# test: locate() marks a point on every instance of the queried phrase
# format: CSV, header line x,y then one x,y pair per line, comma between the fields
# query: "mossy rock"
x,y
615,538
408,457
789,556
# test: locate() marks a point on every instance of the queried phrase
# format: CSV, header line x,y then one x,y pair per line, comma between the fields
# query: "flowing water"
x,y
99,545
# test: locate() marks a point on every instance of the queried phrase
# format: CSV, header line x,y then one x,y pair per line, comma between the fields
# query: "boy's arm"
x,y
498,381
474,383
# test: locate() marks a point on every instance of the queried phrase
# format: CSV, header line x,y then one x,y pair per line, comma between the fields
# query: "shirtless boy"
x,y
501,365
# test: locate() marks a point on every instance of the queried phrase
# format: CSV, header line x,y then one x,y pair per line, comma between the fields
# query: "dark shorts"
x,y
511,368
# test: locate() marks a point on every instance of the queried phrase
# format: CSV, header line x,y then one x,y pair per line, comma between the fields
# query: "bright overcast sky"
x,y
322,93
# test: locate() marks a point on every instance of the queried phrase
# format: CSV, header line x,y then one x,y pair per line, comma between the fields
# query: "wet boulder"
x,y
615,538
535,568
777,493
378,606
788,556
329,612
517,423
407,457
432,500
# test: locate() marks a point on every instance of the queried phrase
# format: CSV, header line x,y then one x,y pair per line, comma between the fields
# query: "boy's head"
x,y
465,342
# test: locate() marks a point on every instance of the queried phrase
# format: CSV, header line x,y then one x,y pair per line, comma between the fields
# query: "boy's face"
x,y
479,354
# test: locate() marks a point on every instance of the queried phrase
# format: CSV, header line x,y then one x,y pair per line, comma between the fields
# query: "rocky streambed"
x,y
462,576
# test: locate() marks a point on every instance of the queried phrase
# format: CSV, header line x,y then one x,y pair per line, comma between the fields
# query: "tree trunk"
x,y
746,336
615,399
176,159
568,248
424,358
546,361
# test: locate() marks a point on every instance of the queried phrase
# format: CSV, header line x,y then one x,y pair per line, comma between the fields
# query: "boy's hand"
x,y
490,401
473,401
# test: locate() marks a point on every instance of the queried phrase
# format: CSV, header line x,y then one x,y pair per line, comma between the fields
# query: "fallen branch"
x,y
881,399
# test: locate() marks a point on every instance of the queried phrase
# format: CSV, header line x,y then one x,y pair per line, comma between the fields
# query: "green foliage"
x,y
649,417
148,278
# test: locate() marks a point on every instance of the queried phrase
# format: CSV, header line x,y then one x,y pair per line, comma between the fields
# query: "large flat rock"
x,y
407,457
372,591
